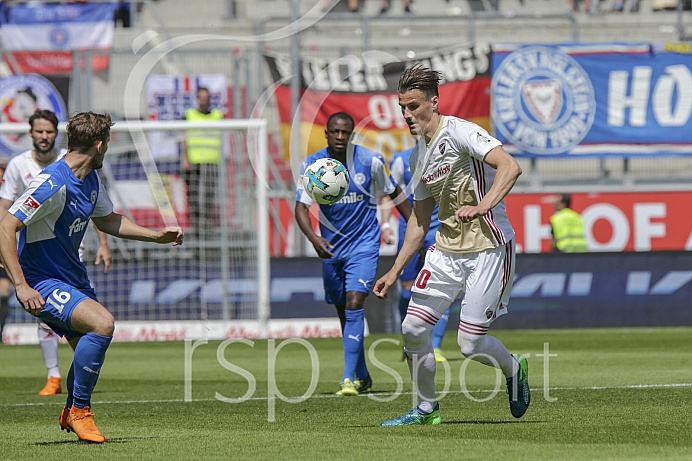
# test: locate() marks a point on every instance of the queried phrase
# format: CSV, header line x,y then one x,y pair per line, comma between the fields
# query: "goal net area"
x,y
221,272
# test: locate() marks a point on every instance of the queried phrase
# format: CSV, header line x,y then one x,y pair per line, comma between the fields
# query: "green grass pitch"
x,y
602,394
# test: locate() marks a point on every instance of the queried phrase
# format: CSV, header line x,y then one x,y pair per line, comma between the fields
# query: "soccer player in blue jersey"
x,y
349,244
401,174
50,280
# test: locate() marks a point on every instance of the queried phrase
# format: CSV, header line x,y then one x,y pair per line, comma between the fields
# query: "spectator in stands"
x,y
353,5
620,6
387,3
200,163
568,227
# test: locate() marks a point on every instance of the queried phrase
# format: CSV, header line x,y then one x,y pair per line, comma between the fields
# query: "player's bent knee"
x,y
469,344
415,332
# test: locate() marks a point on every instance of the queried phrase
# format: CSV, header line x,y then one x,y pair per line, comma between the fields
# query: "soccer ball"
x,y
326,180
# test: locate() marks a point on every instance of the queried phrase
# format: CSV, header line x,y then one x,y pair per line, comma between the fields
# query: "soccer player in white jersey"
x,y
463,169
51,282
21,170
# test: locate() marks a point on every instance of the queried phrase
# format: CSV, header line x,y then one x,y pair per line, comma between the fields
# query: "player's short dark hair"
x,y
566,199
420,78
43,114
341,116
202,88
86,129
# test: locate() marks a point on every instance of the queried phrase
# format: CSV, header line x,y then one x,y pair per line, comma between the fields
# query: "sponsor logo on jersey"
x,y
440,172
29,206
77,226
481,138
543,100
352,198
52,184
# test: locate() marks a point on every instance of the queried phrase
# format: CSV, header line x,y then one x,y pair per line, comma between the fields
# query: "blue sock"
x,y
70,386
439,329
403,302
88,358
353,341
361,368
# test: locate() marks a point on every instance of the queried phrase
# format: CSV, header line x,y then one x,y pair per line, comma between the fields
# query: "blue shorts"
x,y
354,274
61,299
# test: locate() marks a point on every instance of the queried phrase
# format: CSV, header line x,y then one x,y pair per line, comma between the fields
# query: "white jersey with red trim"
x,y
20,171
452,171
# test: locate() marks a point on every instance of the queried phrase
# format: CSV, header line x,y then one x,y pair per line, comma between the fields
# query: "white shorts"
x,y
484,279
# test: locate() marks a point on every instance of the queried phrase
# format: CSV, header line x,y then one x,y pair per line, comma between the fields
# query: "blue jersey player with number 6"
x,y
349,244
51,282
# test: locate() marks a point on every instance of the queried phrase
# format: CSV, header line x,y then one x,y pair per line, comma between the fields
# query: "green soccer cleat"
x,y
347,388
416,417
439,356
518,389
363,385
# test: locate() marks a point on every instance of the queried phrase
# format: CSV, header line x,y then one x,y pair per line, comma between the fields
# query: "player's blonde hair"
x,y
420,78
86,129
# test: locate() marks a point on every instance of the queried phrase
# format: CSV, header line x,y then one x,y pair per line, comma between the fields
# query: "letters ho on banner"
x,y
591,99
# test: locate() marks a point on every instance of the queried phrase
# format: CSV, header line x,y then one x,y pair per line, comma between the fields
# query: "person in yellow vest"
x,y
568,227
203,151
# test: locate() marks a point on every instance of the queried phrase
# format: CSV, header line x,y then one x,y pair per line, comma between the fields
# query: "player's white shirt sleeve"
x,y
301,195
104,205
396,170
54,202
420,192
475,140
12,184
380,176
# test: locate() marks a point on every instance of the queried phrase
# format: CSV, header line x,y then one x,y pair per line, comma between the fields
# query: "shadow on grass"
x,y
449,422
84,442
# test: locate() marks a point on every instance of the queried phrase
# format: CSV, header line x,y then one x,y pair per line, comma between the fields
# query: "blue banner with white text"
x,y
592,99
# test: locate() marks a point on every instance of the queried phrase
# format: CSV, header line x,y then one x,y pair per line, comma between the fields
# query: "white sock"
x,y
48,341
422,366
416,328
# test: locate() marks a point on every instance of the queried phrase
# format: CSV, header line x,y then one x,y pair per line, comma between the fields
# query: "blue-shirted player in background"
x,y
51,282
400,169
350,240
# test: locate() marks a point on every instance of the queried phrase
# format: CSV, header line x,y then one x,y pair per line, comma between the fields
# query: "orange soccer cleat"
x,y
64,415
52,387
82,423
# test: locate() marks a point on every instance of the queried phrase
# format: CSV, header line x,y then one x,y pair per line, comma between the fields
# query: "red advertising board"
x,y
628,221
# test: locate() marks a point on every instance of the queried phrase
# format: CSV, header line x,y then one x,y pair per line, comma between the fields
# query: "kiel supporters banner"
x,y
40,38
592,99
366,88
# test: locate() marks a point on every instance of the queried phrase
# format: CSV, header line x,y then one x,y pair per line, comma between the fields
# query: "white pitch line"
x,y
378,394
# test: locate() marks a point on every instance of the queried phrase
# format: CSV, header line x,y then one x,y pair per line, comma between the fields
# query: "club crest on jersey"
x,y
359,178
93,197
543,100
29,206
441,147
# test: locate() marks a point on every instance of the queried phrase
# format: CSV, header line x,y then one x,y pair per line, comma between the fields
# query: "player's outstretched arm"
x,y
31,299
120,226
